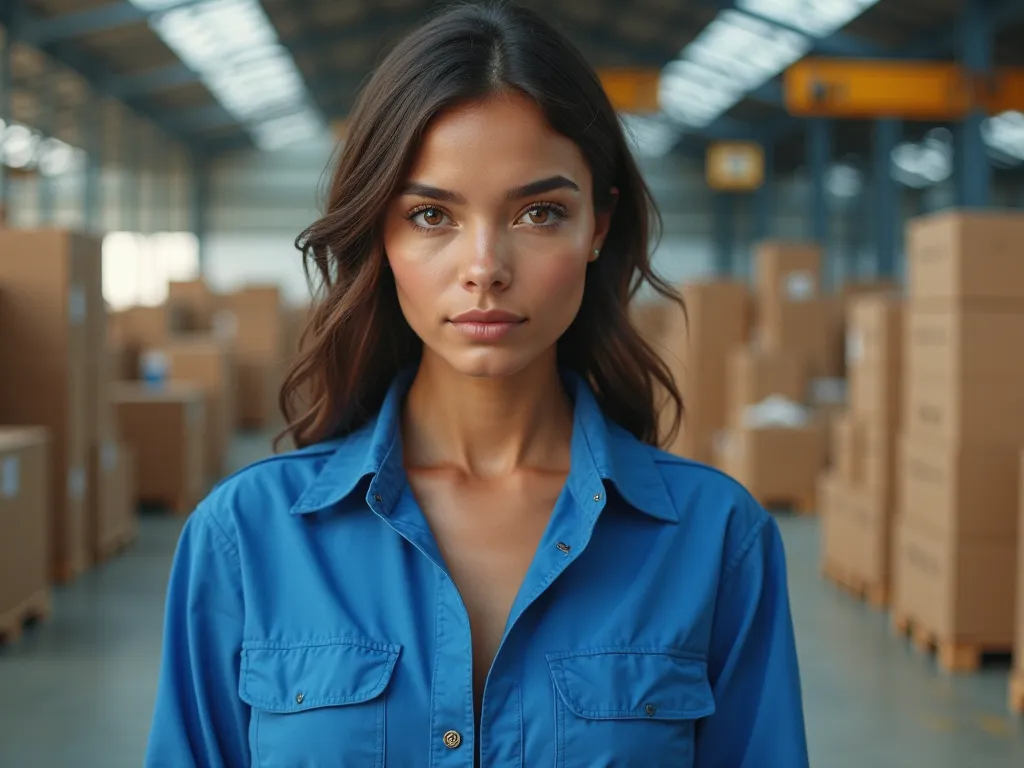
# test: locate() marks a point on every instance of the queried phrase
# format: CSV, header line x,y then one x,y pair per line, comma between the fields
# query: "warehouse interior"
x,y
842,191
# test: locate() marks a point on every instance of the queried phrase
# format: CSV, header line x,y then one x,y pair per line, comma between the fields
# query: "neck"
x,y
484,426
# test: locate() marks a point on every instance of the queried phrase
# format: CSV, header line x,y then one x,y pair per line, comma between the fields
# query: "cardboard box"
x,y
880,464
833,517
170,471
113,522
805,328
969,490
1018,655
779,466
944,342
206,361
965,409
141,328
25,496
786,272
696,350
195,304
875,359
966,256
868,535
754,374
961,590
45,313
259,347
848,449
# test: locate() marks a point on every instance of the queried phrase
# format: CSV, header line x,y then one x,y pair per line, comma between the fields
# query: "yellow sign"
x,y
735,166
631,89
865,89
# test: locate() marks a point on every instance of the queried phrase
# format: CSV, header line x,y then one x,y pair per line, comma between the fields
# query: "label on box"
x,y
10,477
854,348
76,305
799,286
108,456
76,483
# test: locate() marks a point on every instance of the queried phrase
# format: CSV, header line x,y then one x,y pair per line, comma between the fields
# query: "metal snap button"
x,y
597,497
650,710
452,739
377,498
299,698
563,547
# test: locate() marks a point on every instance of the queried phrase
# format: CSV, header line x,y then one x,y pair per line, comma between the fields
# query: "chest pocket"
x,y
317,706
628,708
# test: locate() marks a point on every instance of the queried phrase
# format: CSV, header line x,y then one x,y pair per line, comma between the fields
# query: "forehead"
x,y
500,142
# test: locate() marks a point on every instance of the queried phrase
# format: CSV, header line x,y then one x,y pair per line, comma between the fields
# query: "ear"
x,y
603,221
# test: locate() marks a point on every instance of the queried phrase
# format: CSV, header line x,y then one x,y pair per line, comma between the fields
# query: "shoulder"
x,y
267,490
707,499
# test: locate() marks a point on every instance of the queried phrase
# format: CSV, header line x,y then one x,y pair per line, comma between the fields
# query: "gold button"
x,y
452,739
299,698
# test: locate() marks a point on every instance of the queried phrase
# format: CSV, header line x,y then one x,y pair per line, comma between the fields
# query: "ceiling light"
x,y
818,18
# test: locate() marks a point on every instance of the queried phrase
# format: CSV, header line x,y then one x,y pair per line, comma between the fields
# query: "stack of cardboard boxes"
x,y
858,492
1017,675
696,345
52,360
794,341
261,334
25,490
963,433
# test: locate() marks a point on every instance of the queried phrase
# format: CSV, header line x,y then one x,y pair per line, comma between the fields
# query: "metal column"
x,y
130,185
48,98
819,154
973,169
5,109
764,197
724,234
199,203
888,203
92,119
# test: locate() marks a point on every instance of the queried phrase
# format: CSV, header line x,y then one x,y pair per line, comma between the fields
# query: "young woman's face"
x,y
490,237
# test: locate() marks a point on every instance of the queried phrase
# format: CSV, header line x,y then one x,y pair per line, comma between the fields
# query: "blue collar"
x,y
601,451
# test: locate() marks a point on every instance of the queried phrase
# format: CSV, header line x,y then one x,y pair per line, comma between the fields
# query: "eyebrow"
x,y
539,187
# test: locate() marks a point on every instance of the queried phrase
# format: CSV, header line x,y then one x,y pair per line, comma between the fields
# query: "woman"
x,y
477,556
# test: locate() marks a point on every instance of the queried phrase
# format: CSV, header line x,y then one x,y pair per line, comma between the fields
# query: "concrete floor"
x,y
77,692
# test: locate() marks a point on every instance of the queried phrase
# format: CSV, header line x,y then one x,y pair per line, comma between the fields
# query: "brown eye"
x,y
539,215
432,217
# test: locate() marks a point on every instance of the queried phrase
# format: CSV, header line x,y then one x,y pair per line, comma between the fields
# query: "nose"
x,y
487,265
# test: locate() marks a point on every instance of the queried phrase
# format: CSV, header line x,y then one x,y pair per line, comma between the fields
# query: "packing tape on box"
x,y
76,483
854,348
108,456
77,305
798,286
10,477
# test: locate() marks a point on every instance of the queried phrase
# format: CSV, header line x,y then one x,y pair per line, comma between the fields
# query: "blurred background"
x,y
842,188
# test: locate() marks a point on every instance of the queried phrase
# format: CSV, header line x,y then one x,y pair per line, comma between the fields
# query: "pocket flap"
x,y
624,684
297,678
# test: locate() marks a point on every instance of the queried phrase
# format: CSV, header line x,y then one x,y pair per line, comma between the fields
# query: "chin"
x,y
491,363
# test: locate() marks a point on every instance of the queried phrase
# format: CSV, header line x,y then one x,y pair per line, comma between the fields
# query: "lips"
x,y
484,325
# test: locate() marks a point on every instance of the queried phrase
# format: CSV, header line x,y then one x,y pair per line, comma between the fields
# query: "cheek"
x,y
559,280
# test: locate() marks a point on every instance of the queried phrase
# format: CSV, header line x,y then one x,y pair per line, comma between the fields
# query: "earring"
x,y
597,252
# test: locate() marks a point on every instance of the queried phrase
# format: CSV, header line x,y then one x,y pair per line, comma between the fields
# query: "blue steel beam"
x,y
887,199
819,155
973,177
70,26
17,17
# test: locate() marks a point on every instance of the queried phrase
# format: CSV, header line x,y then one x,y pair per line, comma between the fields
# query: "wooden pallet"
x,y
875,595
1017,691
952,656
116,544
34,609
66,572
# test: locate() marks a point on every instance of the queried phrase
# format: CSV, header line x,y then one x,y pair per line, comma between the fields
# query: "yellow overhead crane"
x,y
910,90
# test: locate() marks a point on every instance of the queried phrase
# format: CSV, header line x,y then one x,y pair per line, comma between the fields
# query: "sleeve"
x,y
199,720
758,720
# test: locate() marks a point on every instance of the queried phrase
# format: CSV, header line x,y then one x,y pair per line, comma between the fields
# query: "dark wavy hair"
x,y
357,339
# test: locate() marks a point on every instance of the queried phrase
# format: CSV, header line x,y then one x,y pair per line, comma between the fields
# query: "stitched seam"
x,y
433,676
743,550
219,532
627,651
327,642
